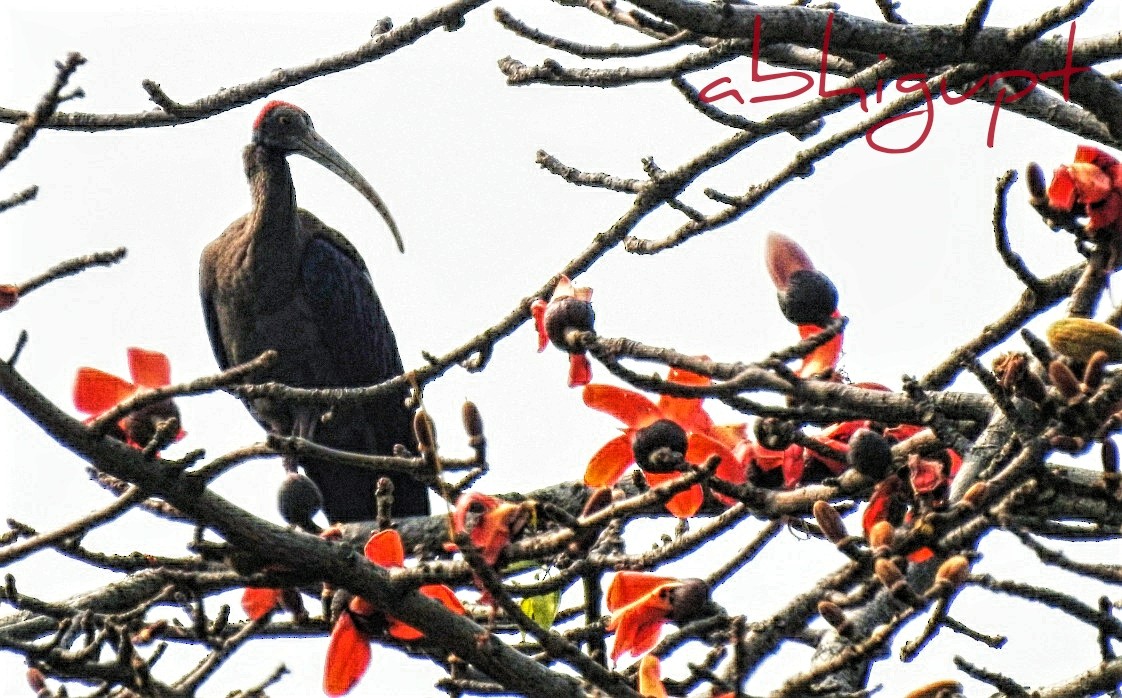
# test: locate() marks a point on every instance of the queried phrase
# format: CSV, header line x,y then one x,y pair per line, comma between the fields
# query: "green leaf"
x,y
542,609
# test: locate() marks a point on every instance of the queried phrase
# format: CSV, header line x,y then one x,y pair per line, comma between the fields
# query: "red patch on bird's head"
x,y
270,106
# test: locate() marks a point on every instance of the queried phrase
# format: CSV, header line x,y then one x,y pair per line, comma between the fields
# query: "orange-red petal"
x,y
348,656
684,504
149,369
580,370
439,592
702,446
1095,156
258,601
627,587
637,627
1106,212
822,359
1061,190
385,549
1091,183
96,391
650,678
492,533
609,463
537,309
628,406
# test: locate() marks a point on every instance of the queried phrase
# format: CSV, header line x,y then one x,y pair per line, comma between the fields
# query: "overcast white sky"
x,y
450,147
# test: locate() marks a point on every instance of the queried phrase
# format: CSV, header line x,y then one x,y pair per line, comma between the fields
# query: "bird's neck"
x,y
273,226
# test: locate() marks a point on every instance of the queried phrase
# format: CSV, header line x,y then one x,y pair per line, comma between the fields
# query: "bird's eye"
x,y
284,119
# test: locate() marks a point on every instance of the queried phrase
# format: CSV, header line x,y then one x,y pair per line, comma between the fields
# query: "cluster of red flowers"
x,y
1090,186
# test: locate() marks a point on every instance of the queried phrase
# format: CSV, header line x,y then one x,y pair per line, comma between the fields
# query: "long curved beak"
x,y
315,148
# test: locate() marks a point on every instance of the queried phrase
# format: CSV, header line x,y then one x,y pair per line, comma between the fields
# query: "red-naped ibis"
x,y
278,278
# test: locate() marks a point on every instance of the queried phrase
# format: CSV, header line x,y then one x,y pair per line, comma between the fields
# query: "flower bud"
x,y
974,496
830,521
881,537
473,421
425,431
1079,338
937,689
298,499
1065,381
835,616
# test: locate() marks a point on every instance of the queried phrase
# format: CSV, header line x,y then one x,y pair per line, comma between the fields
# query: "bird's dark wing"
x,y
207,282
359,347
355,333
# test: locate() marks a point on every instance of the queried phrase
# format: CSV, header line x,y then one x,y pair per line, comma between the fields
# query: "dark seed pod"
x,y
870,454
688,600
774,434
140,426
811,298
298,499
567,313
662,434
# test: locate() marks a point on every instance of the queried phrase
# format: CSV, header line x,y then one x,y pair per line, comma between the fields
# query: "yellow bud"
x,y
1079,338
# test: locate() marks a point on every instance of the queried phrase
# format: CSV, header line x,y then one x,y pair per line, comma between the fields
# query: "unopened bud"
x,y
1093,372
975,495
1037,184
473,421
937,689
36,681
599,498
836,617
953,571
888,573
830,521
1109,456
425,431
9,296
881,537
893,580
1064,380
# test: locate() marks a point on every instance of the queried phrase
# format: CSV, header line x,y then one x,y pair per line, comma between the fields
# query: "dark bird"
x,y
278,278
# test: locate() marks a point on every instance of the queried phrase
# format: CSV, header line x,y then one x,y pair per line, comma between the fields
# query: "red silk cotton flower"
x,y
96,392
641,603
489,521
1093,182
569,308
348,652
679,424
807,298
